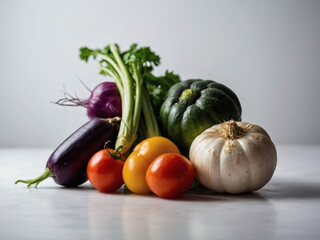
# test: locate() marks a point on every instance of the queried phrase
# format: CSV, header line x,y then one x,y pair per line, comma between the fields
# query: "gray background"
x,y
268,52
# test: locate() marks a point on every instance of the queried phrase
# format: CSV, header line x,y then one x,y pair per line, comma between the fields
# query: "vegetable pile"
x,y
143,128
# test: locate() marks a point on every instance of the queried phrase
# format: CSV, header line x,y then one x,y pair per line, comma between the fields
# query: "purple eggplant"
x,y
67,165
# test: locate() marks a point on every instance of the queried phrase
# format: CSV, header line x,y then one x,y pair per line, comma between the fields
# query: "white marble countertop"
x,y
288,207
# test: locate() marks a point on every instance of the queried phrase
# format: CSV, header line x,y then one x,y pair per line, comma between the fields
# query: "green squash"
x,y
194,105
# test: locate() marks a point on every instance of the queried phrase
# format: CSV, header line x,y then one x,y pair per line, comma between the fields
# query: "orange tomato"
x,y
136,165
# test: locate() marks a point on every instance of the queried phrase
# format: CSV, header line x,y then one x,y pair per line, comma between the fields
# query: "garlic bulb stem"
x,y
231,130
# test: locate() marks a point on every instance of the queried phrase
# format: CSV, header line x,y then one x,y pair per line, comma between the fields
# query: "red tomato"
x,y
137,163
170,175
105,172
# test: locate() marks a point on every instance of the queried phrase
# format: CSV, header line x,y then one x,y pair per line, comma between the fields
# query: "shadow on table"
x,y
277,189
291,189
213,196
199,195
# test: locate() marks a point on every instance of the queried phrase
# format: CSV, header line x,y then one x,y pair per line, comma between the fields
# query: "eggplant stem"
x,y
46,174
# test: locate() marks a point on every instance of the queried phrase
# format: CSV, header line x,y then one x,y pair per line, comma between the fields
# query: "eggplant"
x,y
67,165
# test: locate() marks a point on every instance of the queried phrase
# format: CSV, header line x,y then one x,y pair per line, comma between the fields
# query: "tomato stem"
x,y
115,153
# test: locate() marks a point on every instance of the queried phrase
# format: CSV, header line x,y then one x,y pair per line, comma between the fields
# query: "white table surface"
x,y
288,207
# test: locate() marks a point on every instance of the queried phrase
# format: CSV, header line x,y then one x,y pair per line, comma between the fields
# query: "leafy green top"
x,y
132,73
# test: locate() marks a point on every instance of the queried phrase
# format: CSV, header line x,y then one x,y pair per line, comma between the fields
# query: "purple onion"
x,y
104,102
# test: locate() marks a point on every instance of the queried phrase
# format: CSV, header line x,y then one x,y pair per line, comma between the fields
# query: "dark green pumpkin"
x,y
194,105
